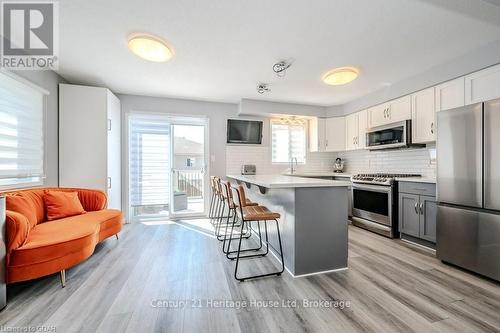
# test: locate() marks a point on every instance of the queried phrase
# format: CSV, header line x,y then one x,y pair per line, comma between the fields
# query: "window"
x,y
21,132
149,164
288,140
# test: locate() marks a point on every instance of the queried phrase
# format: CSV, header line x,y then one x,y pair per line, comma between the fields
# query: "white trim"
x,y
308,274
322,272
174,116
24,81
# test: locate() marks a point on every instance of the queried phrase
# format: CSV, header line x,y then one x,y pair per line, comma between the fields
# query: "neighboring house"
x,y
188,154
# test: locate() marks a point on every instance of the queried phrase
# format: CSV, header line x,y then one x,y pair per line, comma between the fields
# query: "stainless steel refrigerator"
x,y
468,187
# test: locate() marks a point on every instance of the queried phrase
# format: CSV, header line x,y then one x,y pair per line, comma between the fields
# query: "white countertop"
x,y
282,181
318,174
417,180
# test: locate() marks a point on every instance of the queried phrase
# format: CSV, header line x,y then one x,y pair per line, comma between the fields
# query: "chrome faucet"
x,y
292,170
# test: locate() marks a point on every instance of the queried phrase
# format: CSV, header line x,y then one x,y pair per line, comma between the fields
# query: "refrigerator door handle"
x,y
492,155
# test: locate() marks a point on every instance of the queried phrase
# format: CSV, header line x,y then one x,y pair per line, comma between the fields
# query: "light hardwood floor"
x,y
390,288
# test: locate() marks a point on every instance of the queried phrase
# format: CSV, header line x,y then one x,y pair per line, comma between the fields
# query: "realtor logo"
x,y
29,35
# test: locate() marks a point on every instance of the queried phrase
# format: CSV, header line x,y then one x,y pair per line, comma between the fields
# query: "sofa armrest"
x,y
17,229
92,200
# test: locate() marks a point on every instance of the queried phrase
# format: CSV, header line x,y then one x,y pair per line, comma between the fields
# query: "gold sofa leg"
x,y
63,278
116,236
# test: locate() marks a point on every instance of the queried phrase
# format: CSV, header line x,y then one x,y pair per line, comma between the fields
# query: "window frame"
x,y
41,180
284,122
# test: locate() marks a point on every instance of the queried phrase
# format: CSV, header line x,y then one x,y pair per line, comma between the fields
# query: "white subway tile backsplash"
x,y
237,155
419,161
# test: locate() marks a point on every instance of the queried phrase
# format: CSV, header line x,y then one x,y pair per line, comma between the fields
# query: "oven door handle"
x,y
372,188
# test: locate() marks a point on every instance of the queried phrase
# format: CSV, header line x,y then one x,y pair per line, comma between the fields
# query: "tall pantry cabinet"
x,y
89,140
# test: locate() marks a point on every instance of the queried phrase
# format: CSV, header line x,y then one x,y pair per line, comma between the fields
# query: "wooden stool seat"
x,y
257,213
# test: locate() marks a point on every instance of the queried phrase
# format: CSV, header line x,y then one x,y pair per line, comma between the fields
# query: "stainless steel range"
x,y
375,202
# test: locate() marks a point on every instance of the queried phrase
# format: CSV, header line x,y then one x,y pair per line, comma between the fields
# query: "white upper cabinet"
x,y
317,135
362,127
423,116
483,85
335,134
356,125
378,115
351,130
450,95
400,109
390,112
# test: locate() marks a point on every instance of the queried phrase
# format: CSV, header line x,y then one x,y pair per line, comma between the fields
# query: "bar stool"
x,y
212,197
228,200
247,214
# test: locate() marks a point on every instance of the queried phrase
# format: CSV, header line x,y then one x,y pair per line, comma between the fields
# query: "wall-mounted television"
x,y
244,131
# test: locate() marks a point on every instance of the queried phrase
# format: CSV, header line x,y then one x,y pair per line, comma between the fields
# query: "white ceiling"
x,y
223,48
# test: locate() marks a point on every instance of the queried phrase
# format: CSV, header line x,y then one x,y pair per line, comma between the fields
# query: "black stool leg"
x,y
238,257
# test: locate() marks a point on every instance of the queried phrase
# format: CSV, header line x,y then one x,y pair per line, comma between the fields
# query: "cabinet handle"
x,y
416,208
109,125
422,208
385,113
326,143
109,182
432,128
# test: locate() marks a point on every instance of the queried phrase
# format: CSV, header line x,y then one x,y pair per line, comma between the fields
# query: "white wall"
x,y
49,80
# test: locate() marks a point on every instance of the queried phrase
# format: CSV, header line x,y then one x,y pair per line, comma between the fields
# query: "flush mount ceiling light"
x,y
149,48
341,75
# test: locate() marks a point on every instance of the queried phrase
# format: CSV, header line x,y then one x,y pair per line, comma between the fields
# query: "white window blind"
x,y
288,140
21,132
149,160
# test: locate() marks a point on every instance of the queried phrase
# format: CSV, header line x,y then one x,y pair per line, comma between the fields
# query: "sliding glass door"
x,y
167,166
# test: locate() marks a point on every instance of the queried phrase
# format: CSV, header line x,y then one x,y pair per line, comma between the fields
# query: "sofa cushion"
x,y
54,239
24,206
61,204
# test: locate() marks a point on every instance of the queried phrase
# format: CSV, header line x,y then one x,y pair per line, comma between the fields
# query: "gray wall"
x,y
49,80
470,62
217,113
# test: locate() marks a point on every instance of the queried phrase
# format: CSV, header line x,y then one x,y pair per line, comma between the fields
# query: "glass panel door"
x,y
188,169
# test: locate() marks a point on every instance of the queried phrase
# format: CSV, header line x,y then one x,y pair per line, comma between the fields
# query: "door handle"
x,y
422,208
416,208
432,128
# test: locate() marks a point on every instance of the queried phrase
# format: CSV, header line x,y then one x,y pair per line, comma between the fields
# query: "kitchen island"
x,y
313,221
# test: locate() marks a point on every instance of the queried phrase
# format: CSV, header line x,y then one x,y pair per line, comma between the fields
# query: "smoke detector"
x,y
263,88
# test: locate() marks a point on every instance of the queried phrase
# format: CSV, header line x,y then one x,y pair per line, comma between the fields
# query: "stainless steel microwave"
x,y
395,135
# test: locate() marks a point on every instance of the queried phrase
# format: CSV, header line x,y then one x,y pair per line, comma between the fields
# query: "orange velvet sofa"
x,y
49,247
